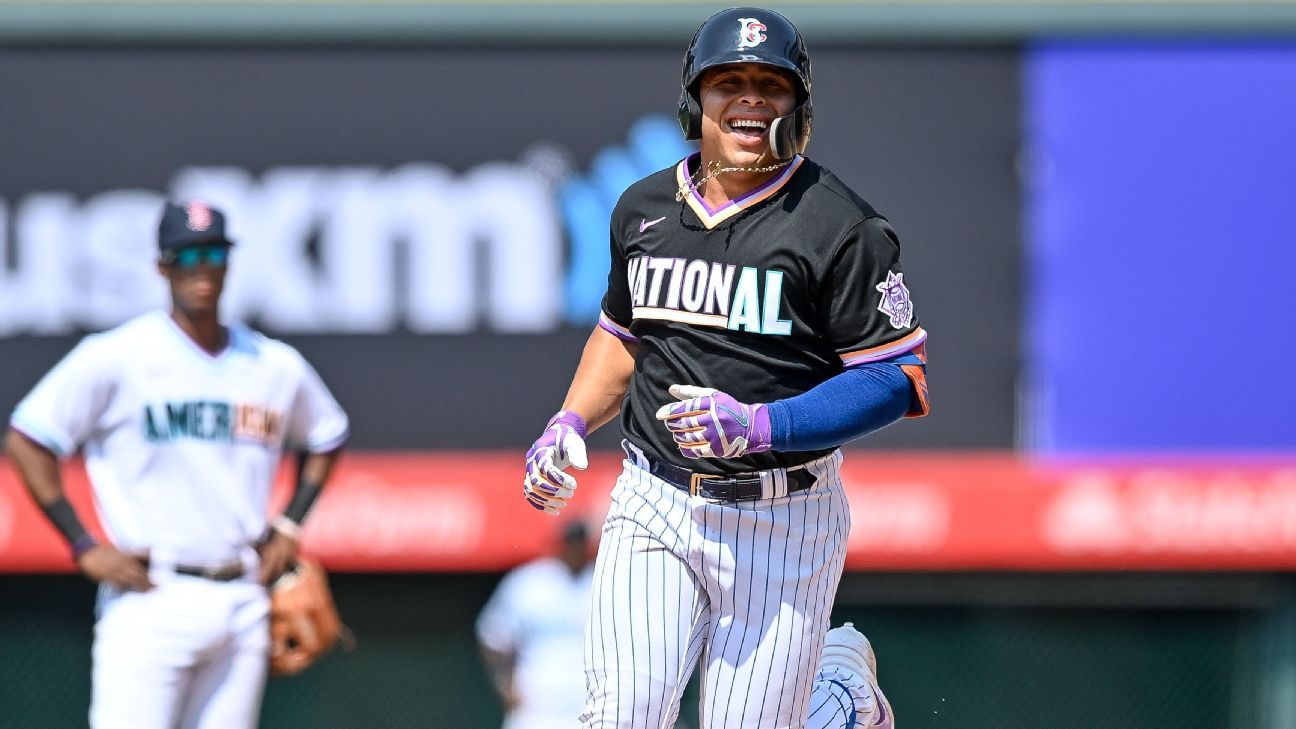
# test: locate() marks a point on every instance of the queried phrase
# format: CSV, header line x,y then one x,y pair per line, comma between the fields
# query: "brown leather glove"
x,y
304,621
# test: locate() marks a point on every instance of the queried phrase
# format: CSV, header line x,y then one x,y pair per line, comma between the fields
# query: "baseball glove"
x,y
304,621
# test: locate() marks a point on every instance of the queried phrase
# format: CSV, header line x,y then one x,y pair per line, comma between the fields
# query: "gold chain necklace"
x,y
716,170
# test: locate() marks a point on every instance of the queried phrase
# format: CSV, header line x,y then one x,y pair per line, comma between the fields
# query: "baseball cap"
x,y
193,223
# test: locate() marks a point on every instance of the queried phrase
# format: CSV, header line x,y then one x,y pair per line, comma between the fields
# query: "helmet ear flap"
x,y
790,134
690,115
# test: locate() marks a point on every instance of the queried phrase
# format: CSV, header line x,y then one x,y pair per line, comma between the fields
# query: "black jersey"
x,y
762,299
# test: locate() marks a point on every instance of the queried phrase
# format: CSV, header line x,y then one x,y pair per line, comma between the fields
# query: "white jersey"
x,y
181,446
538,612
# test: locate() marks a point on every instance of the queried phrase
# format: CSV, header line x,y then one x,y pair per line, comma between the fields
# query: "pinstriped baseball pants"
x,y
745,588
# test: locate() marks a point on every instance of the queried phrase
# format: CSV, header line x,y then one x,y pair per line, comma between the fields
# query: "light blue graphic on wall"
x,y
586,201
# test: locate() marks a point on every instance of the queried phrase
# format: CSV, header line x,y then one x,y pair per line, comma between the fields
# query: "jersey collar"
x,y
191,346
711,218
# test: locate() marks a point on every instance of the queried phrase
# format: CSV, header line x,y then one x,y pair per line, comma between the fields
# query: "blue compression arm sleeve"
x,y
843,408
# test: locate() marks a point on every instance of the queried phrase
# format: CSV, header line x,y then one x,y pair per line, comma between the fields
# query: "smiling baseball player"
x,y
182,420
756,318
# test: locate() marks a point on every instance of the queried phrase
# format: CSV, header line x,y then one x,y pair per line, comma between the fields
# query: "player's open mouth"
x,y
749,130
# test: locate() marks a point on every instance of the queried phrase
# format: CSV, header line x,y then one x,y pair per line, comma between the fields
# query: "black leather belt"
x,y
723,488
218,573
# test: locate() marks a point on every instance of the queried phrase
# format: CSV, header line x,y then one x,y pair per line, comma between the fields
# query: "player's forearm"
x,y
500,667
313,471
601,379
318,467
38,467
841,409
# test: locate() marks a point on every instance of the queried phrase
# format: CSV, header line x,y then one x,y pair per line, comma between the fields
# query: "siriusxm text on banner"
x,y
343,249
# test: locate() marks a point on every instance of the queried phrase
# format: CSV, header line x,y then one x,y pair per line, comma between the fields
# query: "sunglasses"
x,y
193,257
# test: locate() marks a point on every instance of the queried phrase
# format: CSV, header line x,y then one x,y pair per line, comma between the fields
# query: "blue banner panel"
x,y
1161,233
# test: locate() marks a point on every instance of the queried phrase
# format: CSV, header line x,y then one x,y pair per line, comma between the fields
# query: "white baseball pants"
x,y
746,588
189,654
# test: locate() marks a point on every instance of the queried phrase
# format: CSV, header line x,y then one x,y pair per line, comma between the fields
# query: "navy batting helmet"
x,y
749,35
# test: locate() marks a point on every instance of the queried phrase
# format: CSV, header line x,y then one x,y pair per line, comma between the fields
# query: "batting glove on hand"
x,y
547,486
708,423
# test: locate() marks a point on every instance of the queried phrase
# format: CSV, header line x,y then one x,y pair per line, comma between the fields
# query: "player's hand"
x,y
707,423
547,485
277,554
105,563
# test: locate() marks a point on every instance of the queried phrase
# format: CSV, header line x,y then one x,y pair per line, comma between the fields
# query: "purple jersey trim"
x,y
710,217
885,351
616,330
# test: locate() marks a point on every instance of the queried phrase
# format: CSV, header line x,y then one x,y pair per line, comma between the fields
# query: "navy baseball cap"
x,y
194,223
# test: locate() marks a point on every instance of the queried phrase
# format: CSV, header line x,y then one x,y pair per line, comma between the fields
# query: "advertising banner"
x,y
909,511
429,225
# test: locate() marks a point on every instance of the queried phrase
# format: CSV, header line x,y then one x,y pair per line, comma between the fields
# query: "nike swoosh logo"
x,y
645,224
742,419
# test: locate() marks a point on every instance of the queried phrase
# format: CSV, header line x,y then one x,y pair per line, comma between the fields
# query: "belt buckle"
x,y
696,479
223,573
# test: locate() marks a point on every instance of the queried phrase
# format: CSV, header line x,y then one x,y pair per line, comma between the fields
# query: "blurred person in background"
x,y
531,633
183,420
756,319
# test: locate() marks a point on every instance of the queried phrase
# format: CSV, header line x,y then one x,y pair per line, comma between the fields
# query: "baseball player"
x,y
182,420
756,318
531,632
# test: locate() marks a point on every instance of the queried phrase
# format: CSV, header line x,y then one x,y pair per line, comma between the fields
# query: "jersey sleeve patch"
x,y
868,312
895,301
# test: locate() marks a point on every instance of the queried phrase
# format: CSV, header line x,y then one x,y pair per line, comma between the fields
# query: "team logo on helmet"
x,y
198,216
750,33
895,300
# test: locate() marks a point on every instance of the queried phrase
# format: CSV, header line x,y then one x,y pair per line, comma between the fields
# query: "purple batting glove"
x,y
547,485
707,423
